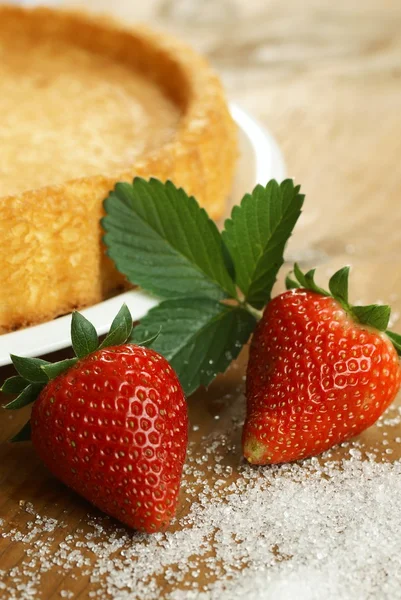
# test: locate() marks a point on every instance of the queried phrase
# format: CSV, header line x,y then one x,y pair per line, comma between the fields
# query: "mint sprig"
x,y
372,315
209,283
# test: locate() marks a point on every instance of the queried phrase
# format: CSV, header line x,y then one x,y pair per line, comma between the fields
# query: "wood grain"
x,y
325,78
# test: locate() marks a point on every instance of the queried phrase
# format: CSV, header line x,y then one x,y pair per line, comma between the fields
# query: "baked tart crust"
x,y
51,256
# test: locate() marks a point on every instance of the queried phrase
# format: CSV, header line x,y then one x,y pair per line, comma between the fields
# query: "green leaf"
x,y
396,340
200,337
146,343
290,283
338,285
120,329
256,235
307,281
30,368
375,315
27,396
311,285
83,335
52,370
300,276
24,434
14,385
228,261
161,239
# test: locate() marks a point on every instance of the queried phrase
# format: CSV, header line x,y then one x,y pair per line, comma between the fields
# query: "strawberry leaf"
x,y
24,434
228,261
256,235
300,277
27,396
307,281
52,370
290,283
200,337
120,329
311,285
30,368
396,340
161,239
375,315
14,385
83,335
338,285
147,343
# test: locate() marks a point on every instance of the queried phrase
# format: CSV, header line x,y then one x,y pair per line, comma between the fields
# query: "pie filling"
x,y
68,113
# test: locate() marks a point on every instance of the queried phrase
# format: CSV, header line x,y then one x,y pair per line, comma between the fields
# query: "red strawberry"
x,y
114,428
316,376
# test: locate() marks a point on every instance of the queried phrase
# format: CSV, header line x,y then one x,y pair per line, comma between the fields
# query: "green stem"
x,y
256,313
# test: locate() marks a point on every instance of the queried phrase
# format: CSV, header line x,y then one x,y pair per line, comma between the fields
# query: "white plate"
x,y
259,161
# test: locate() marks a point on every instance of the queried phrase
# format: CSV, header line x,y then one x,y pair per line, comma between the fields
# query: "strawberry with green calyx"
x,y
320,371
110,423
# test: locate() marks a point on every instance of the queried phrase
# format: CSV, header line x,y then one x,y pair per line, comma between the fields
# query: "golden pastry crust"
x,y
51,255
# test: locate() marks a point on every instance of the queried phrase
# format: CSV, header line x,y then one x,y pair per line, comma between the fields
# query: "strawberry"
x,y
320,371
112,425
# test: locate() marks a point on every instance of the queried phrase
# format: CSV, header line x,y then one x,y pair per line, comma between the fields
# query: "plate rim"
x,y
268,162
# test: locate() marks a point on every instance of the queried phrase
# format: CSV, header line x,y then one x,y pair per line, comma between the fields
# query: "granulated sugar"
x,y
324,528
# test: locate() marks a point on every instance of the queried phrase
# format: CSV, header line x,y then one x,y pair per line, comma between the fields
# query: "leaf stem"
x,y
254,312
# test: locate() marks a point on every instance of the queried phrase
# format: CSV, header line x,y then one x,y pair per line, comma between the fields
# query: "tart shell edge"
x,y
51,255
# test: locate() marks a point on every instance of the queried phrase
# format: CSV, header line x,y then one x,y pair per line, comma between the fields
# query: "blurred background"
x,y
325,79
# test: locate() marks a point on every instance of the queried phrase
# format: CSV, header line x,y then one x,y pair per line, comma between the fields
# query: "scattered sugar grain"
x,y
307,529
322,528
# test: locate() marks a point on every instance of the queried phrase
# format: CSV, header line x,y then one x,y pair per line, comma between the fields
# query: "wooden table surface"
x,y
325,78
